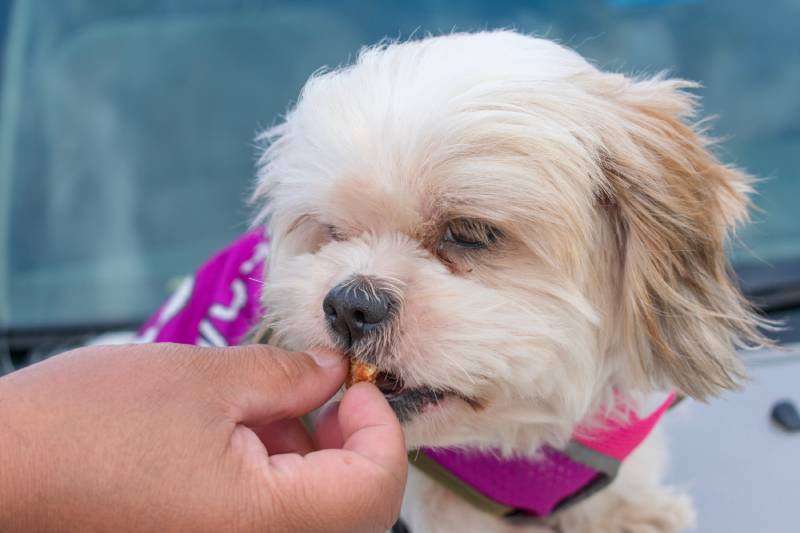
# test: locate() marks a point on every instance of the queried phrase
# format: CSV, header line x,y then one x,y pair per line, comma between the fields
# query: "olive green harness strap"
x,y
438,473
607,468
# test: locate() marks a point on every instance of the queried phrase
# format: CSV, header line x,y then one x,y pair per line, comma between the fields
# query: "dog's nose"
x,y
354,308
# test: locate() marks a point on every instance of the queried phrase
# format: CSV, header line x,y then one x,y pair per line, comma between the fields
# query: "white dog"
x,y
524,246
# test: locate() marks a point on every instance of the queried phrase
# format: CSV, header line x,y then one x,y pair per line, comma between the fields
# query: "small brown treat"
x,y
359,372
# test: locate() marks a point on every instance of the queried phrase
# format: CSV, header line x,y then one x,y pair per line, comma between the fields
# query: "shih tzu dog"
x,y
526,247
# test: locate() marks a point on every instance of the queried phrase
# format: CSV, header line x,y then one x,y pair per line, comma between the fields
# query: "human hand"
x,y
171,437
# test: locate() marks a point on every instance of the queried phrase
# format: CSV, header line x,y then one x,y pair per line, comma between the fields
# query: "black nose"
x,y
354,308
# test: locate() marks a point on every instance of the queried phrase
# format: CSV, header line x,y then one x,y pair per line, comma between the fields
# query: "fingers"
x,y
327,433
358,488
285,436
262,384
370,428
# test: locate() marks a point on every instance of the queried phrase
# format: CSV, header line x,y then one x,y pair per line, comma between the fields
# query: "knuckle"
x,y
285,368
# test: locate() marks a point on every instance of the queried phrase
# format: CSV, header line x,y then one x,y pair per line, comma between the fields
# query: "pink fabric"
x,y
220,303
617,439
538,485
534,486
217,305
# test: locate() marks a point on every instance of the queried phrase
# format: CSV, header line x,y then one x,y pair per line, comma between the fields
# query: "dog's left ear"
x,y
671,204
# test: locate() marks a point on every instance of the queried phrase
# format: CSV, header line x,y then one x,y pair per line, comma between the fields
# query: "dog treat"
x,y
360,371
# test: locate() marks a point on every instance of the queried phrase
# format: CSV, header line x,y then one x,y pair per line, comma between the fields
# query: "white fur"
x,y
547,325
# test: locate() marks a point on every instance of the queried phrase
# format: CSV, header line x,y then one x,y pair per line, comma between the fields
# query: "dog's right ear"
x,y
671,204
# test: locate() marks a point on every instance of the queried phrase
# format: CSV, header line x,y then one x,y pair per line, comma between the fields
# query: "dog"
x,y
522,244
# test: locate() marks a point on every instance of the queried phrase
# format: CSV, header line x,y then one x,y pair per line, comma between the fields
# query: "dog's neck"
x,y
522,430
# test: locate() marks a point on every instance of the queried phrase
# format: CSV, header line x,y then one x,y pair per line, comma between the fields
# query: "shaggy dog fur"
x,y
551,238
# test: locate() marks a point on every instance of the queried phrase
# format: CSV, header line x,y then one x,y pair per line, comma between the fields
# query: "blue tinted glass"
x,y
126,127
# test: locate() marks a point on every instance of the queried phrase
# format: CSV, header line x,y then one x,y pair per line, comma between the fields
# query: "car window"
x,y
126,128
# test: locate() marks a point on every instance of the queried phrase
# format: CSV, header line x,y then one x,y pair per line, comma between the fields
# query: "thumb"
x,y
356,488
262,384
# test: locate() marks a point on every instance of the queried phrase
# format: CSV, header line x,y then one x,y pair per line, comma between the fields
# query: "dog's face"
x,y
508,233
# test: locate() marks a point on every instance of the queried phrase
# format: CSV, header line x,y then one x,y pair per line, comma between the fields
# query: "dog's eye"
x,y
470,234
335,233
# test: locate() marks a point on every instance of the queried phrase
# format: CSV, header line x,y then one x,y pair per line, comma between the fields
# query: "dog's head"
x,y
507,232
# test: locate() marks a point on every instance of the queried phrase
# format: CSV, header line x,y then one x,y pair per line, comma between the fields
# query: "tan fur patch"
x,y
672,203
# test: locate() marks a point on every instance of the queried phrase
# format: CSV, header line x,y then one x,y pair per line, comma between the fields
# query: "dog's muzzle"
x,y
359,313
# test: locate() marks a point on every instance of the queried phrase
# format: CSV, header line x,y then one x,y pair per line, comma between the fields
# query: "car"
x,y
127,152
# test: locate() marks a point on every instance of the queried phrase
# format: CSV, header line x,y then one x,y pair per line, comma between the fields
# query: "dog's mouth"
x,y
404,400
389,384
408,402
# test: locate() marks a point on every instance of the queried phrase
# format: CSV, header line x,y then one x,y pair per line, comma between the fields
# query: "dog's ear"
x,y
671,204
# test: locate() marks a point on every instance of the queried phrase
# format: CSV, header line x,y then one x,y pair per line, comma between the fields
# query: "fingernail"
x,y
324,357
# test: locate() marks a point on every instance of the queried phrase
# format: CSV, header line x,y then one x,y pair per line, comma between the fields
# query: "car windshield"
x,y
127,127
